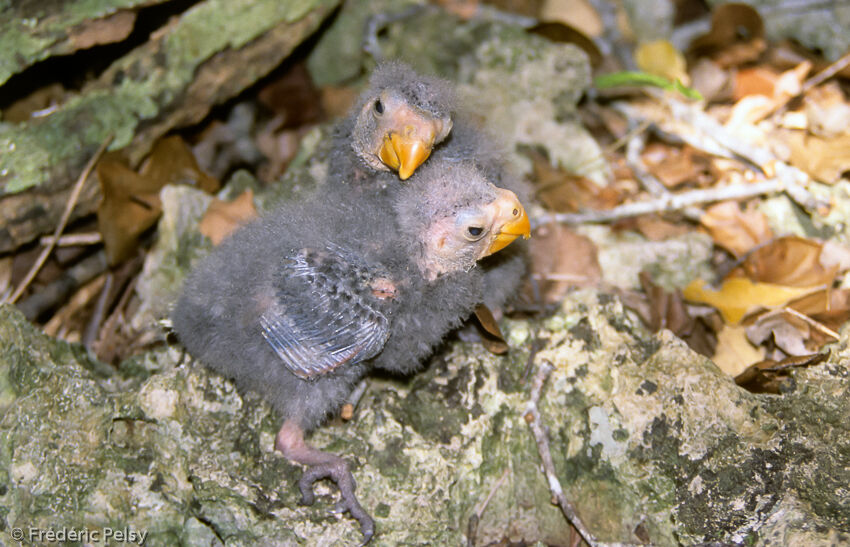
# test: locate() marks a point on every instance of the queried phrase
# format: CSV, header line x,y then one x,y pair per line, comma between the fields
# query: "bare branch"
x,y
532,417
670,202
71,240
66,215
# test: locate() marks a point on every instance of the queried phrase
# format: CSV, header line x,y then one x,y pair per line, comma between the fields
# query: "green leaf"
x,y
632,78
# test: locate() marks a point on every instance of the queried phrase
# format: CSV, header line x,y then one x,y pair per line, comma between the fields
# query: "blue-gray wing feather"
x,y
323,316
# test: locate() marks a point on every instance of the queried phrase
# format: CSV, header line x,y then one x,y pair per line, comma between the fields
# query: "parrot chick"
x,y
392,127
300,305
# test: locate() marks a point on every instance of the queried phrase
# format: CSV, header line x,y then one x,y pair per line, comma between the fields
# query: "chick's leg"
x,y
290,442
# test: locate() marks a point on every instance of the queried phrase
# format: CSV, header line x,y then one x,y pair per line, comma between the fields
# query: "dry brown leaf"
x,y
736,230
655,228
336,101
171,162
579,14
566,192
740,53
736,36
791,261
130,203
827,111
667,310
613,121
761,91
674,166
825,159
41,99
767,376
491,337
829,307
223,217
757,80
734,352
738,296
787,331
294,97
561,259
562,192
129,206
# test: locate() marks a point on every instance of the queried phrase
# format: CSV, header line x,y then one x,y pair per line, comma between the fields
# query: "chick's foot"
x,y
290,442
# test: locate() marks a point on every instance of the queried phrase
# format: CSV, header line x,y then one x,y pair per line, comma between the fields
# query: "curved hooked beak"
x,y
406,151
510,221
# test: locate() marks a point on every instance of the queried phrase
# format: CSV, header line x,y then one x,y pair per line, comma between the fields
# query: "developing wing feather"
x,y
324,315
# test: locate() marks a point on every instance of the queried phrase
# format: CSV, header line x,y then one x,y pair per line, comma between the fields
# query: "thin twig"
x,y
561,277
115,320
671,202
634,147
63,221
93,326
781,106
58,290
532,417
708,128
649,181
817,325
630,134
493,490
71,240
826,73
347,411
475,518
58,324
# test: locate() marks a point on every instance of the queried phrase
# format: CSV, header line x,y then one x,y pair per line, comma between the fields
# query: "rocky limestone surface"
x,y
650,441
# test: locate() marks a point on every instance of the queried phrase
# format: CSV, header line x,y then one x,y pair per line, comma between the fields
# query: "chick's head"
x,y
400,118
453,217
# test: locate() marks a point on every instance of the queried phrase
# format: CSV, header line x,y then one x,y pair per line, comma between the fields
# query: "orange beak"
x,y
510,222
405,152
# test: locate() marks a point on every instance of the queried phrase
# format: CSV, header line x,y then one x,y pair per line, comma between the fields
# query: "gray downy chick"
x,y
299,305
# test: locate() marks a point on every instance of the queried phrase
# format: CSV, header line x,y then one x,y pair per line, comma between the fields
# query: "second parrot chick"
x,y
392,127
398,121
301,304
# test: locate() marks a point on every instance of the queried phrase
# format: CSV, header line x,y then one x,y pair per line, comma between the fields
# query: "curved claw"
x,y
306,487
339,473
367,525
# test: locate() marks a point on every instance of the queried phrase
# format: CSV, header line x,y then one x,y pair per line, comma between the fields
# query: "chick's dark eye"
x,y
475,231
379,106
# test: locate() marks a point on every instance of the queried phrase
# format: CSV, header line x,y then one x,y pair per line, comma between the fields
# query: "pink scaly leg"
x,y
290,442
